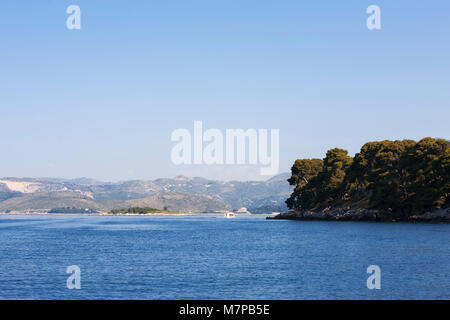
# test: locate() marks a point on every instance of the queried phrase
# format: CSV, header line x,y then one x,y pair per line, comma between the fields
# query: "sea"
x,y
211,257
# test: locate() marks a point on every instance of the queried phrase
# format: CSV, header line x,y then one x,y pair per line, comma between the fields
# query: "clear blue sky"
x,y
102,102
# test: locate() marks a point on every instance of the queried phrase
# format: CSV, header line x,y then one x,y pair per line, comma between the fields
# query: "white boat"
x,y
229,214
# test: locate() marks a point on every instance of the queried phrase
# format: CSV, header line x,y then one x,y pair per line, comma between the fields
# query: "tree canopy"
x,y
404,176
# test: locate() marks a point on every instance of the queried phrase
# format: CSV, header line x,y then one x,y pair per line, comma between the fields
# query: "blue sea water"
x,y
210,257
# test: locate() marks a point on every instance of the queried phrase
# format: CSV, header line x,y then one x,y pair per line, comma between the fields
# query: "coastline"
x,y
154,214
369,215
107,214
102,214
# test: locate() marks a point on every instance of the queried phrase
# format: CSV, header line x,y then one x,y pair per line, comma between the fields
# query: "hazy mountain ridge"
x,y
179,193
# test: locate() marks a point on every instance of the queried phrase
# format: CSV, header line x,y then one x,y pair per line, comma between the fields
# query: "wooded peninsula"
x,y
387,181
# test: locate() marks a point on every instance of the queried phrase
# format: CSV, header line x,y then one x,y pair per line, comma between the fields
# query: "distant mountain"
x,y
280,177
180,193
235,193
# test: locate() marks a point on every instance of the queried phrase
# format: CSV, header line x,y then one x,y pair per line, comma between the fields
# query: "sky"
x,y
102,101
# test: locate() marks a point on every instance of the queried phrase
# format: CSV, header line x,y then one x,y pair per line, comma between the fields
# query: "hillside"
x,y
180,194
180,202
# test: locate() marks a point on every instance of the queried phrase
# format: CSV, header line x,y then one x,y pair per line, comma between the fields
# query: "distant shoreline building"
x,y
242,210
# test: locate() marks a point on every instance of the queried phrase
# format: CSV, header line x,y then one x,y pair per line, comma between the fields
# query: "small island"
x,y
142,210
386,181
73,210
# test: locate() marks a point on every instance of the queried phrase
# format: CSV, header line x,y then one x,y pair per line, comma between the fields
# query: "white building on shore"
x,y
243,210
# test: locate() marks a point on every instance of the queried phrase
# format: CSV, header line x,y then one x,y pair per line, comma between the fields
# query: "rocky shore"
x,y
343,214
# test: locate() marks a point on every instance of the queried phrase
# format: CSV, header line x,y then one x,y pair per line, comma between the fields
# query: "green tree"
x,y
302,172
378,173
428,167
318,182
330,179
